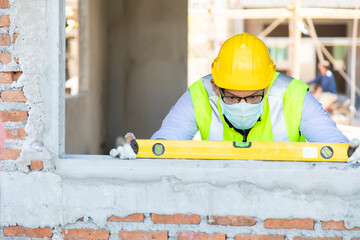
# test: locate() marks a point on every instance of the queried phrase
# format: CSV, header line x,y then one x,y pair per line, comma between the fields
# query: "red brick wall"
x,y
12,98
196,227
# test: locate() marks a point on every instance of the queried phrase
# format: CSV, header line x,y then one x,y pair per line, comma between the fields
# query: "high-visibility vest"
x,y
279,122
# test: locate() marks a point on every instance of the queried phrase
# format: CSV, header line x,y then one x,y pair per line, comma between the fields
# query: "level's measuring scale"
x,y
272,151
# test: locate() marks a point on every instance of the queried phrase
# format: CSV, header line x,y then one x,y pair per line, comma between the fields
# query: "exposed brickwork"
x,y
16,35
36,165
9,77
13,96
200,236
5,40
13,116
16,75
289,223
6,77
258,237
95,234
142,235
10,154
17,133
4,21
318,238
136,217
5,58
175,219
332,225
4,4
231,220
18,231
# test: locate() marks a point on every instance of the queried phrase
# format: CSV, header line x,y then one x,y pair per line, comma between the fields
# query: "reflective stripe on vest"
x,y
281,112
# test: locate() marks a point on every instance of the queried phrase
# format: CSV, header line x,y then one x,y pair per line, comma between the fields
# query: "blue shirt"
x,y
316,124
327,82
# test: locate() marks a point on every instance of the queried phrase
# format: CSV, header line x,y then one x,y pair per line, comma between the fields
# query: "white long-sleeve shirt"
x,y
316,124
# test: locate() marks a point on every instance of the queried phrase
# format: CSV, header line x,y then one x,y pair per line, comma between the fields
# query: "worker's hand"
x,y
124,150
355,157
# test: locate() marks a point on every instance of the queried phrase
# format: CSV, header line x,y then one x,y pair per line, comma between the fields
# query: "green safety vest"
x,y
279,122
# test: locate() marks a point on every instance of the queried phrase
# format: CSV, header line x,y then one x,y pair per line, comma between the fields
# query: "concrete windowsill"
x,y
324,191
297,174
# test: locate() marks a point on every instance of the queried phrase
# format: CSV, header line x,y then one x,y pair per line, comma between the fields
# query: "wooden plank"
x,y
353,64
271,27
275,13
295,37
315,39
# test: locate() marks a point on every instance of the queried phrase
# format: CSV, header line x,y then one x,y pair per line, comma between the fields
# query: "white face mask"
x,y
242,115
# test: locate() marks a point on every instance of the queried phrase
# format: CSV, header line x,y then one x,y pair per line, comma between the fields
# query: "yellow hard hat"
x,y
243,63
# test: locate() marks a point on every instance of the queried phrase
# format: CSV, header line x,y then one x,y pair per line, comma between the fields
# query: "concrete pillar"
x,y
147,64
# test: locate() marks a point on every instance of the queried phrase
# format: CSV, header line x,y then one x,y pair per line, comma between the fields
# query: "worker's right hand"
x,y
123,152
355,157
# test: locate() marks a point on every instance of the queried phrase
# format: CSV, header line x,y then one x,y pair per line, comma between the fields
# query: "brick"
x,y
259,237
5,21
10,154
176,219
18,231
13,116
9,77
6,77
13,96
100,234
36,165
15,36
200,236
231,220
5,58
16,133
16,75
143,235
306,223
332,225
317,238
4,4
5,40
136,217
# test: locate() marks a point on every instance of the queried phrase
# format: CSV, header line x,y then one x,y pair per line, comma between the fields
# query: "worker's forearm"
x,y
316,124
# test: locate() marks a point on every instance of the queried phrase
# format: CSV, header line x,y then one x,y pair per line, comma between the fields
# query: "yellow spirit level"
x,y
269,151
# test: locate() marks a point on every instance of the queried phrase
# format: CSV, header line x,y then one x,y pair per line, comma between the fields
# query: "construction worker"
x,y
245,99
326,92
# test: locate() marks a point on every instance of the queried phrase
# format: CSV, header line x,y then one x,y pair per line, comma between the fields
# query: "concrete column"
x,y
147,64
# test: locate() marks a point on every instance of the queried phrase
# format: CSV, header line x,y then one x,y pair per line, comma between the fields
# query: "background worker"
x,y
326,92
244,99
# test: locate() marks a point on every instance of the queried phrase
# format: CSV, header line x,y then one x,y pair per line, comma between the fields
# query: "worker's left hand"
x,y
355,157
